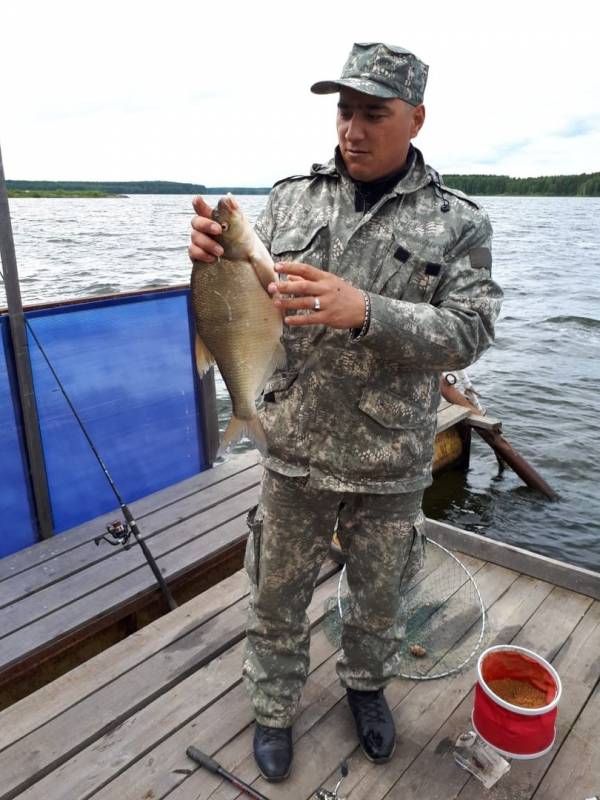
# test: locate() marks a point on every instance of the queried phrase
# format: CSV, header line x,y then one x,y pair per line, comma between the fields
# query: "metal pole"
x,y
33,439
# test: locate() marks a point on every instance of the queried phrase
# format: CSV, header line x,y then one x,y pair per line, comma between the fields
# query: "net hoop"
x,y
430,676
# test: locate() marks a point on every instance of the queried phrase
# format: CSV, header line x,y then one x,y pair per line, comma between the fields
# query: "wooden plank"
x,y
48,702
576,769
336,734
113,704
449,416
141,727
328,738
122,564
55,547
578,665
228,719
546,632
83,613
71,689
160,523
318,601
568,576
485,423
419,715
320,693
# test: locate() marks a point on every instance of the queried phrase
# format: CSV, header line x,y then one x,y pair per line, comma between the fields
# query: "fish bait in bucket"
x,y
516,731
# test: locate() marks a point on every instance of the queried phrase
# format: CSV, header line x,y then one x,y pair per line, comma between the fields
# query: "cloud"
x,y
580,126
506,150
184,92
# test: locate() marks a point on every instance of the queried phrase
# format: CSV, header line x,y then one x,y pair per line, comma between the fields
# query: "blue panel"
x,y
17,524
126,365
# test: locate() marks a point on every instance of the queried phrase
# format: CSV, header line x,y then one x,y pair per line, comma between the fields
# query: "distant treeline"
x,y
585,185
132,187
58,193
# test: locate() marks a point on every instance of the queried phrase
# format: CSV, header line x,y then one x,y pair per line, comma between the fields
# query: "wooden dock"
x,y
117,727
65,599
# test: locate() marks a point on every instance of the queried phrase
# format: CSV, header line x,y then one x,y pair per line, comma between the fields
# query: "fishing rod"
x,y
213,766
117,532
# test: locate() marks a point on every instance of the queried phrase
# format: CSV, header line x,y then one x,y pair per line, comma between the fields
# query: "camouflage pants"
x,y
290,534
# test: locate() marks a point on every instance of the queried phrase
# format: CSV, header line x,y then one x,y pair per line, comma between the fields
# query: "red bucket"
x,y
516,731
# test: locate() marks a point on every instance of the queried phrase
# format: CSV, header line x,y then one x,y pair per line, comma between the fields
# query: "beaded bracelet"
x,y
367,319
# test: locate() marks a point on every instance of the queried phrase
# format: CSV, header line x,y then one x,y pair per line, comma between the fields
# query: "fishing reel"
x,y
325,794
117,533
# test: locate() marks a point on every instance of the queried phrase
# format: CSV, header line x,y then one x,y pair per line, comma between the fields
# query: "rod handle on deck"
x,y
210,764
201,758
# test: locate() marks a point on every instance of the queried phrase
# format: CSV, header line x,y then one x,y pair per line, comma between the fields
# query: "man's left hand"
x,y
331,300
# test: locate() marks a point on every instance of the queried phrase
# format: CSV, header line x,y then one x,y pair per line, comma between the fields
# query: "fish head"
x,y
236,232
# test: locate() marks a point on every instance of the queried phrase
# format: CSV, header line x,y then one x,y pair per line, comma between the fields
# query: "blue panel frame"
x,y
127,366
17,519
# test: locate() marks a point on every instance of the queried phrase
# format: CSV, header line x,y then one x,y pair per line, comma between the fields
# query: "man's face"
x,y
374,134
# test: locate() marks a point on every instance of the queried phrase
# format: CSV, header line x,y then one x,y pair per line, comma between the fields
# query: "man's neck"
x,y
368,193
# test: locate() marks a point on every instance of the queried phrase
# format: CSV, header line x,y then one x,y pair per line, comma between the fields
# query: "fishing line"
x,y
117,532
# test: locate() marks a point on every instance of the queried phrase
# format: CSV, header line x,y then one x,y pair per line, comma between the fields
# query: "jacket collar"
x,y
417,176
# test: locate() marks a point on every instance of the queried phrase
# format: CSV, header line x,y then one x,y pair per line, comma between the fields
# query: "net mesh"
x,y
440,625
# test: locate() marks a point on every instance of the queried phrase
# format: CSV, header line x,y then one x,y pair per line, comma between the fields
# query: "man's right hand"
x,y
203,246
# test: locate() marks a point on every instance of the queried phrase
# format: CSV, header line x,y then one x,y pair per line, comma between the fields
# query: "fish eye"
x,y
224,226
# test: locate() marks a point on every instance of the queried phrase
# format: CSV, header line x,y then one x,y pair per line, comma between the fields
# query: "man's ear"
x,y
418,118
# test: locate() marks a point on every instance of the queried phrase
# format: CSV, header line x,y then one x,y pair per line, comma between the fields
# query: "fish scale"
x,y
237,324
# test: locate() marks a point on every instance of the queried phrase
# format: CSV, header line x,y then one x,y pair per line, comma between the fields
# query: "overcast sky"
x,y
218,92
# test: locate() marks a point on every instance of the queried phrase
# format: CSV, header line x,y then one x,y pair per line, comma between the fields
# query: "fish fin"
x,y
238,428
279,357
262,263
204,358
278,361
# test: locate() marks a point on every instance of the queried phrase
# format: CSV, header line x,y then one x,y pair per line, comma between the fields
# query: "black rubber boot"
x,y
273,752
374,724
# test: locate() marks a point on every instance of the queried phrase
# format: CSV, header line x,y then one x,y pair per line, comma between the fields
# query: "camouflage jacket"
x,y
361,415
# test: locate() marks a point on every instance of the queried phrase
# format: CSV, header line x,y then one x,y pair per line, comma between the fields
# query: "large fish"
x,y
237,325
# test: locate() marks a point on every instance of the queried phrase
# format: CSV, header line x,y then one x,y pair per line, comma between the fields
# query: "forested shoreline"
x,y
584,185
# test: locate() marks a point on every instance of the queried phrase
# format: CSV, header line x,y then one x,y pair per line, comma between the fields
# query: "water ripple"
x,y
542,379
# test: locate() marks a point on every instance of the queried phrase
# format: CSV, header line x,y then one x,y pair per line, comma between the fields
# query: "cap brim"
x,y
358,84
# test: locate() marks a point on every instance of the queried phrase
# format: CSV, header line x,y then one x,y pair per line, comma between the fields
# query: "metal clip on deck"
x,y
325,794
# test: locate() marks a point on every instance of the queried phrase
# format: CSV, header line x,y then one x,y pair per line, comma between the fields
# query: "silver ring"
x,y
317,305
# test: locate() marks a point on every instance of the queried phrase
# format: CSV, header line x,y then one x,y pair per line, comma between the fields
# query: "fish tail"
x,y
238,428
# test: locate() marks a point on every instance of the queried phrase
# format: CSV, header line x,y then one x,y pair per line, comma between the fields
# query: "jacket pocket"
x,y
423,281
297,238
390,410
308,243
278,386
280,413
408,276
254,521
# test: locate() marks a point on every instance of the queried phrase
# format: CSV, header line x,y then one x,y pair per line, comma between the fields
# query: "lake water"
x,y
542,378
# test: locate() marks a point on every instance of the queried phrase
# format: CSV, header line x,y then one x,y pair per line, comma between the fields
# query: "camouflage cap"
x,y
381,70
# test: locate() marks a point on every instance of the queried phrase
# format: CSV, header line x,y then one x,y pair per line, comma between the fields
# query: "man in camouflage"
x,y
388,283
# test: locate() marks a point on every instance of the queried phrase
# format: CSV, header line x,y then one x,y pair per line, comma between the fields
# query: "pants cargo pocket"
x,y
254,521
416,557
